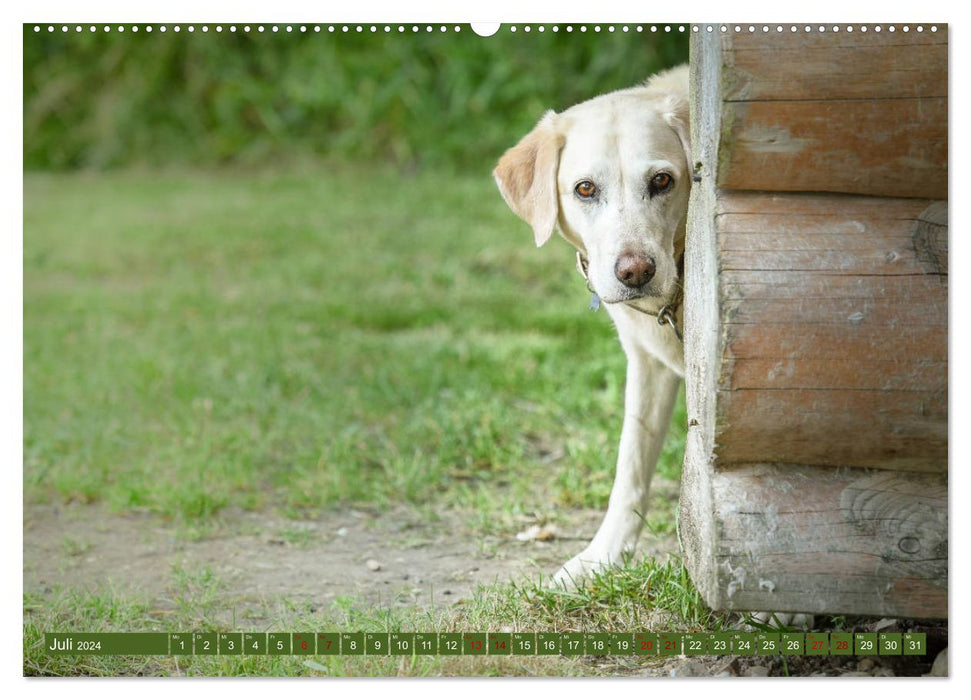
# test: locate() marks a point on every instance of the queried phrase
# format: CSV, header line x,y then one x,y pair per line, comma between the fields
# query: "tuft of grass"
x,y
196,594
71,610
74,548
297,536
647,594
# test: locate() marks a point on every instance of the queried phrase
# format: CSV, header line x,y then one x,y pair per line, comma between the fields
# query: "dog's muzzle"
x,y
666,315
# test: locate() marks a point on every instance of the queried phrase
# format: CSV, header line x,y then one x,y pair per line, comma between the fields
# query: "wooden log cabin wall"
x,y
815,475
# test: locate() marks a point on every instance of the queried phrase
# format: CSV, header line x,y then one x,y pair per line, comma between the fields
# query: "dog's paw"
x,y
580,567
761,620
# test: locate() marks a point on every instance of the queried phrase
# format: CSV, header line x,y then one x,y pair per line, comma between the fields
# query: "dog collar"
x,y
666,315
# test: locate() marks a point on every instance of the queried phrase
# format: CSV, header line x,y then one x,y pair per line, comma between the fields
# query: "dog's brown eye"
x,y
585,189
661,181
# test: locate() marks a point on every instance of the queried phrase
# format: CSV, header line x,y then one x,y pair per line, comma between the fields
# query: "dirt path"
x,y
394,559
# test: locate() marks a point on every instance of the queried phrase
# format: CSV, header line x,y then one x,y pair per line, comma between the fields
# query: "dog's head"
x,y
613,175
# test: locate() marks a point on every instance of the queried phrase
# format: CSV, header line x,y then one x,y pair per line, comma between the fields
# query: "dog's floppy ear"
x,y
526,175
676,113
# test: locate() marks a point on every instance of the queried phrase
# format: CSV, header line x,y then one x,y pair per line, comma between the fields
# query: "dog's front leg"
x,y
648,402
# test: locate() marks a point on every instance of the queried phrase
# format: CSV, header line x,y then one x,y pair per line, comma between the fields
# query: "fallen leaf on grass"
x,y
538,533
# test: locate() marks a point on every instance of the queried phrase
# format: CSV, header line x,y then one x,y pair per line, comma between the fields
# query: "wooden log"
x,y
817,324
816,377
835,65
829,541
833,332
698,528
835,112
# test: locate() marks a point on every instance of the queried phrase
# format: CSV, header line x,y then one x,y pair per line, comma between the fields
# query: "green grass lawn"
x,y
307,339
292,342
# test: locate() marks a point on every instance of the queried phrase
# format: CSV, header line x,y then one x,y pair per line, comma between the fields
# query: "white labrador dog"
x,y
613,175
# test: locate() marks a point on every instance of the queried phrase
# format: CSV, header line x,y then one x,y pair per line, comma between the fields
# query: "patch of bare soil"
x,y
384,559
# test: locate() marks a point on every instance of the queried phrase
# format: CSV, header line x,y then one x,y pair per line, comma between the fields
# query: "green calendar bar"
x,y
489,643
205,643
278,643
793,644
474,644
865,643
621,644
450,644
230,643
402,643
108,643
548,643
301,643
377,643
597,644
181,645
352,644
744,643
891,644
768,643
841,644
720,643
571,644
254,643
817,644
646,643
915,644
670,644
328,643
695,644
523,643
426,643
500,643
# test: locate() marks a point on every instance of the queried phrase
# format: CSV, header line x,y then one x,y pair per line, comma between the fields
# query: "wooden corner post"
x,y
815,474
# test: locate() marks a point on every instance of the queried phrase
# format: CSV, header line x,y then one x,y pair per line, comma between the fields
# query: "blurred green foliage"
x,y
103,100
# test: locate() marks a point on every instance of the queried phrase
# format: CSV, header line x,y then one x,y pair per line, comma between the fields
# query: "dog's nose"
x,y
634,270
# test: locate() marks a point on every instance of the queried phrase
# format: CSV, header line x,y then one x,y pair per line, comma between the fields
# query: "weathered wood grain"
x,y
835,112
809,373
830,541
838,373
880,66
881,428
702,340
892,148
